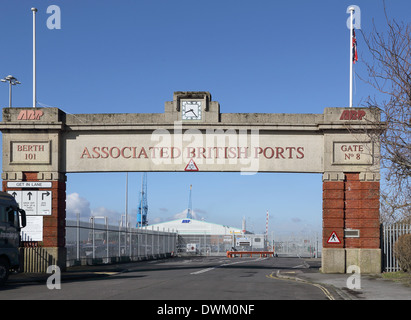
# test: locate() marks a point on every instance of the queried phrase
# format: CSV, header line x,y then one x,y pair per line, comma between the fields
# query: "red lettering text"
x,y
352,115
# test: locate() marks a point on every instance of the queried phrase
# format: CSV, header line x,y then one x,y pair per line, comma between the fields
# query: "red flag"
x,y
354,47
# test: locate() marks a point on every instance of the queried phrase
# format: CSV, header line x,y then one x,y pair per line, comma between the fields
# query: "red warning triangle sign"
x,y
333,238
191,166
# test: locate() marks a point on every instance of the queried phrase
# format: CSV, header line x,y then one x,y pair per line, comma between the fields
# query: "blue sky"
x,y
129,56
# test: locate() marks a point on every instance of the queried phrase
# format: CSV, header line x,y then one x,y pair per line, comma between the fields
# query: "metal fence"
x,y
215,245
204,244
307,248
390,235
93,243
218,245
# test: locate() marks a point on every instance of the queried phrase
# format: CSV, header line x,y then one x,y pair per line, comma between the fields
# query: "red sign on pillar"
x,y
333,239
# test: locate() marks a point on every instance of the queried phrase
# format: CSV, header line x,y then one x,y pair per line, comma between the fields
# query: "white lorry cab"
x,y
12,219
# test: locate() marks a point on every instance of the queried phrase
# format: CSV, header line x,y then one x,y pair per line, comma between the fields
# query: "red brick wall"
x,y
352,204
362,211
54,226
333,212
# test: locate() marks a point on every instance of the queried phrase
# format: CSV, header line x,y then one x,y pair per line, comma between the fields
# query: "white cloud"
x,y
183,214
113,216
74,204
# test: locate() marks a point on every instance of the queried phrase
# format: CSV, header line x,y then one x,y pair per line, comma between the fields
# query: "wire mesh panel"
x,y
299,247
215,245
91,243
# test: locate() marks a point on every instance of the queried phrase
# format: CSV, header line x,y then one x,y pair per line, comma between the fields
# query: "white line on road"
x,y
304,265
202,271
226,264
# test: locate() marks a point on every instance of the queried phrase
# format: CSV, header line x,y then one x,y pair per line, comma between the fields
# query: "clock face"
x,y
191,110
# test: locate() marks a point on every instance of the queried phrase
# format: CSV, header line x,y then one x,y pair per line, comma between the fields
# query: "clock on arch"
x,y
191,109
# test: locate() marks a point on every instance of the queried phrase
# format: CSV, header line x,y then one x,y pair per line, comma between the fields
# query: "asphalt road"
x,y
213,278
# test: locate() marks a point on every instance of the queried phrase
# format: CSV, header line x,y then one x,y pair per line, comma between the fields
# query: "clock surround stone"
x,y
210,111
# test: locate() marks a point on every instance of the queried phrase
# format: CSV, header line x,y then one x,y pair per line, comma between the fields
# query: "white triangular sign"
x,y
191,166
333,238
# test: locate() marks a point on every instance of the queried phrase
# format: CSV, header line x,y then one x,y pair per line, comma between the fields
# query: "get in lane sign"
x,y
35,203
44,203
29,202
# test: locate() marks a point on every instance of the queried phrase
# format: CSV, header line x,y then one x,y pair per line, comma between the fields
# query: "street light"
x,y
12,82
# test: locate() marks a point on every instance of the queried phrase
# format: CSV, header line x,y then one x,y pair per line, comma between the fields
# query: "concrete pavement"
x,y
371,287
368,286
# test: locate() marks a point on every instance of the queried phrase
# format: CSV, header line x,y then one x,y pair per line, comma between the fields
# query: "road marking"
x,y
226,264
279,277
203,270
305,265
105,273
229,264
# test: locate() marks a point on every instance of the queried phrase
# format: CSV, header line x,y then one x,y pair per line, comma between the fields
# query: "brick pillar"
x,y
54,226
333,212
351,203
38,255
362,211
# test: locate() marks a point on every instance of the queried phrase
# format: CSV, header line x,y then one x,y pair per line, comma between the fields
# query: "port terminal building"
x,y
207,238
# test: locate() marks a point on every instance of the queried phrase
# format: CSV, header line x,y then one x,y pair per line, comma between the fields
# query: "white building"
x,y
207,238
196,227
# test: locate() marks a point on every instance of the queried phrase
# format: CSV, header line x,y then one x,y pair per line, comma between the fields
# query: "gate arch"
x,y
41,145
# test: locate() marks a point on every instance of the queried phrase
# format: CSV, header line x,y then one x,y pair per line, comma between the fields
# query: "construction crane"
x,y
143,205
190,206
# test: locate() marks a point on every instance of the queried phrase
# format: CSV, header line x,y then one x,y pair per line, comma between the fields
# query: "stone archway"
x,y
41,145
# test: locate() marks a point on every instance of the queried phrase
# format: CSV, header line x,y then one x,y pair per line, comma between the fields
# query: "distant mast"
x,y
266,230
143,206
190,205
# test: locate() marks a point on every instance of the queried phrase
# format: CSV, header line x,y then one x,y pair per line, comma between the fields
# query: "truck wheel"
x,y
4,270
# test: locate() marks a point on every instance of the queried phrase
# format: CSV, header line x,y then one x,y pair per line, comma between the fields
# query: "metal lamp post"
x,y
12,82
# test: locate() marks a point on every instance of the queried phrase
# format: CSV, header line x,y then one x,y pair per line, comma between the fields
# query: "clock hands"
x,y
193,107
193,113
191,110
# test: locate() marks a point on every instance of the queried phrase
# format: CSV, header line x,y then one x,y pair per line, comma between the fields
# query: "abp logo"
x,y
352,115
30,115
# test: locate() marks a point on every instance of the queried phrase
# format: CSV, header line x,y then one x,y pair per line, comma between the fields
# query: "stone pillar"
x,y
351,211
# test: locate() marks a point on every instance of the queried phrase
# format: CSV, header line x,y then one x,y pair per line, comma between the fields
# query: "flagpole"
x,y
351,9
34,56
